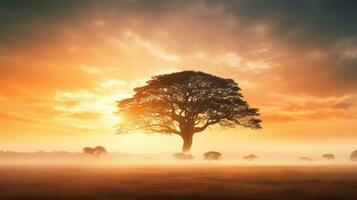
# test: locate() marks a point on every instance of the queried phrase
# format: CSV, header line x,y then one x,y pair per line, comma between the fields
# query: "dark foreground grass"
x,y
178,182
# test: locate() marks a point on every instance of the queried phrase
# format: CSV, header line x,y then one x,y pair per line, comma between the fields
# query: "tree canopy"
x,y
185,103
212,155
328,156
98,150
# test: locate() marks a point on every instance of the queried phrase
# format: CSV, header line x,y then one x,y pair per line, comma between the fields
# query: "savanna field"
x,y
186,181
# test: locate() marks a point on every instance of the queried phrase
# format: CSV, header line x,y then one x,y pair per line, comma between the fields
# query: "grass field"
x,y
178,182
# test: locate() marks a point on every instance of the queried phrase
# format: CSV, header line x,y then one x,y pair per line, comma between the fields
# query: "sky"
x,y
64,64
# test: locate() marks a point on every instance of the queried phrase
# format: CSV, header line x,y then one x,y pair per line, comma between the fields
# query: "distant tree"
x,y
185,103
183,156
353,156
306,159
98,150
212,155
88,150
328,156
250,157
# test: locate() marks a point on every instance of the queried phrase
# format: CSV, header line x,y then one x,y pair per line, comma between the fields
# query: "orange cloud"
x,y
85,115
14,117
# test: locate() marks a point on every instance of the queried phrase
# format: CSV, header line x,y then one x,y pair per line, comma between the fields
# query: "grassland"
x,y
206,182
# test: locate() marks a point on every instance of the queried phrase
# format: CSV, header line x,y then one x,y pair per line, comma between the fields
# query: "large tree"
x,y
185,103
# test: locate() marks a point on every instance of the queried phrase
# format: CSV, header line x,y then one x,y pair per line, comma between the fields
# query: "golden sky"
x,y
64,64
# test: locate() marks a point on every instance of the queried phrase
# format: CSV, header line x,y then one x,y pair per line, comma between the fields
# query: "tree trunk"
x,y
187,143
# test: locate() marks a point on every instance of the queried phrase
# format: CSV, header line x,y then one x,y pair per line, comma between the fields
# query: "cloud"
x,y
51,47
14,117
276,118
290,109
85,115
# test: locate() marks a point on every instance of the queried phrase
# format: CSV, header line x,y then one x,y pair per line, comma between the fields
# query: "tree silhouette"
x,y
88,150
328,156
353,156
185,103
250,157
183,156
98,150
212,155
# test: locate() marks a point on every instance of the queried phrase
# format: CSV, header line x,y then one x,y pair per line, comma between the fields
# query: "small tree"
x,y
328,156
183,156
212,155
88,150
98,150
353,156
250,157
185,103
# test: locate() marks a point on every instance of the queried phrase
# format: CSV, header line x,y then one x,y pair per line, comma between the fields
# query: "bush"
x,y
250,157
353,156
212,155
183,156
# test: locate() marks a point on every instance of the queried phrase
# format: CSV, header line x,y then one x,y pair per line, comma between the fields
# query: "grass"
x,y
178,182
